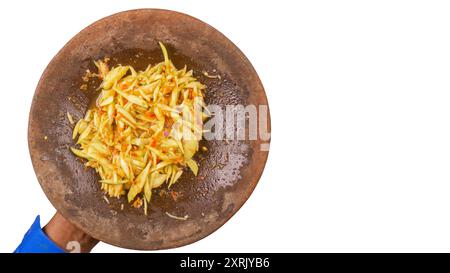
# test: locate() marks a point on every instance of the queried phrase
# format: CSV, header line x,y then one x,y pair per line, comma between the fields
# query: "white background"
x,y
359,93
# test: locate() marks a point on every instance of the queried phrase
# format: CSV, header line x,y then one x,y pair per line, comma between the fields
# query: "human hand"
x,y
67,236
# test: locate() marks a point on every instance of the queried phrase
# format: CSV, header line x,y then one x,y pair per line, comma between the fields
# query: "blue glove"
x,y
35,241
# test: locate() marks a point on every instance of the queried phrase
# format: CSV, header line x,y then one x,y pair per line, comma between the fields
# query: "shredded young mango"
x,y
144,130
